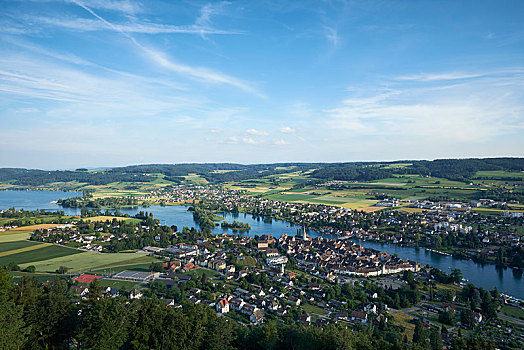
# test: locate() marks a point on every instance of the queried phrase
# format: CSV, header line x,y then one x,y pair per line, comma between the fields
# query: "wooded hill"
x,y
453,169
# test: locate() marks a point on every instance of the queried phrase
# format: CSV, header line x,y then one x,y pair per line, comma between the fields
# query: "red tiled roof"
x,y
86,278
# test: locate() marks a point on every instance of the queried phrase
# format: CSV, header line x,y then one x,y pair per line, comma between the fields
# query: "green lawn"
x,y
513,311
312,309
135,267
87,261
34,256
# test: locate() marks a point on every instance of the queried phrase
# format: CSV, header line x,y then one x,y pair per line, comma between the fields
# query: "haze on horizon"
x,y
89,83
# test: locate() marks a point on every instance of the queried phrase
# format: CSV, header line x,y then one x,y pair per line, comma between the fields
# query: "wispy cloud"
x,y
198,73
472,111
135,27
332,36
438,77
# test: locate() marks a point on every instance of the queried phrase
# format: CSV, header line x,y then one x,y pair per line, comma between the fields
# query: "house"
x,y
79,290
172,266
222,306
478,317
237,304
370,308
136,294
249,309
294,300
169,302
257,317
358,316
189,266
306,319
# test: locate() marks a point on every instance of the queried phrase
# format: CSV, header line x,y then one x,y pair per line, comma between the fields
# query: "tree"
x,y
418,335
435,339
12,327
466,318
62,270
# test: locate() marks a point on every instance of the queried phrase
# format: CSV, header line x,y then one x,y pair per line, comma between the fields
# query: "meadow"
x,y
87,261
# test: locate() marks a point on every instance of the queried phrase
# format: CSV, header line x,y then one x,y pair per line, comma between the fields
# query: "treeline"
x,y
108,202
353,173
236,226
33,316
453,169
33,177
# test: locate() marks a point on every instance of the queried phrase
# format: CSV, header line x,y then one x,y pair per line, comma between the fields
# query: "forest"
x,y
36,316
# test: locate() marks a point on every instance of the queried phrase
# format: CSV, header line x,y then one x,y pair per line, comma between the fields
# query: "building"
x,y
222,306
136,276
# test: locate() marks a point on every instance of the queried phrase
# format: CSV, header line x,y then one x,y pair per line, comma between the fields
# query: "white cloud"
x,y
256,132
281,142
287,130
214,131
230,140
250,141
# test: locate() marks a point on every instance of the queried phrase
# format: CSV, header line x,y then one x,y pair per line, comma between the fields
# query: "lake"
x,y
483,275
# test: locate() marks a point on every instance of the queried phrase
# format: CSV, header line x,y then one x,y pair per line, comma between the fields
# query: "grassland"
x,y
87,261
401,319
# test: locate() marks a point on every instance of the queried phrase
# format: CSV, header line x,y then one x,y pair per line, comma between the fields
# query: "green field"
x,y
34,256
7,246
513,311
13,237
87,261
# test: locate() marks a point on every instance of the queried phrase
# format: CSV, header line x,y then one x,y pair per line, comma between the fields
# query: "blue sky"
x,y
108,83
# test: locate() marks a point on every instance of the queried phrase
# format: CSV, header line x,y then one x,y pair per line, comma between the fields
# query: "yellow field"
x,y
498,210
105,218
371,209
402,319
25,249
31,228
412,210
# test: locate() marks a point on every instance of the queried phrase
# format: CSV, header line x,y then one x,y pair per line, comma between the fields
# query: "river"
x,y
486,276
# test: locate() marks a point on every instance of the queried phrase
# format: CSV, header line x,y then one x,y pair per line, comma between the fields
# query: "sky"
x,y
91,83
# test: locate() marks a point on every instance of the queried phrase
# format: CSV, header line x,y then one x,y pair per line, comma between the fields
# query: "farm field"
x,y
27,258
13,237
6,251
31,228
110,218
87,261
